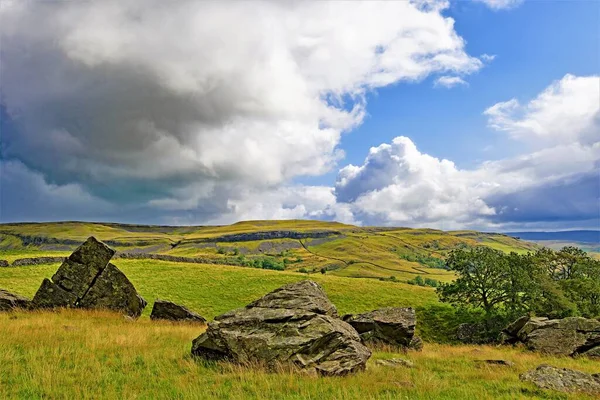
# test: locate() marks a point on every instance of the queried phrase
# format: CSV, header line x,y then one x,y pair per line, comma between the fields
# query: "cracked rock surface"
x,y
568,336
295,324
86,279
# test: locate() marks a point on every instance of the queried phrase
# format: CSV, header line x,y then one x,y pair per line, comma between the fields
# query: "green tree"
x,y
482,280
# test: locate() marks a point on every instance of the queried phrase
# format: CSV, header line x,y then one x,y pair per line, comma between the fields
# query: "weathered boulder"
x,y
163,309
113,291
562,379
9,301
86,279
504,363
416,344
50,295
569,336
395,363
470,333
295,324
395,326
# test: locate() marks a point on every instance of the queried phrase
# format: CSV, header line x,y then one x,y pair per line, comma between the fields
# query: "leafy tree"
x,y
482,279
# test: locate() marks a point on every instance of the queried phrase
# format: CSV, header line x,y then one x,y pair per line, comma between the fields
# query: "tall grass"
x,y
74,354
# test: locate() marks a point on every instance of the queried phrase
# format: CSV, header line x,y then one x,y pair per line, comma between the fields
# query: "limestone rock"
x,y
113,291
78,272
174,312
295,325
562,379
395,363
593,352
568,336
416,344
50,295
395,326
504,363
303,295
86,279
9,301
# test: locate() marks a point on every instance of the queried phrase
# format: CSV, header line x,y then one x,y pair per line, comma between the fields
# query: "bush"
x,y
304,270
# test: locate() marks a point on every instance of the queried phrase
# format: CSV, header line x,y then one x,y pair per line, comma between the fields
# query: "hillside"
x,y
343,250
112,357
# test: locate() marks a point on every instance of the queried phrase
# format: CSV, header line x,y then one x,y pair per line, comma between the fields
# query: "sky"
x,y
479,114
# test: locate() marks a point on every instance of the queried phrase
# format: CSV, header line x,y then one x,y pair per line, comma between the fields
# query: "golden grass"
x,y
98,355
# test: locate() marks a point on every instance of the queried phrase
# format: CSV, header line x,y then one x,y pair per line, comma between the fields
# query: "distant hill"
x,y
590,236
297,245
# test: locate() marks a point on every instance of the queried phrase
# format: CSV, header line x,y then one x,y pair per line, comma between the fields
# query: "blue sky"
x,y
121,112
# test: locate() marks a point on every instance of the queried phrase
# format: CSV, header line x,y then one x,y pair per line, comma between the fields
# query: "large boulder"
x,y
86,279
569,336
167,310
9,301
395,326
113,291
295,324
563,380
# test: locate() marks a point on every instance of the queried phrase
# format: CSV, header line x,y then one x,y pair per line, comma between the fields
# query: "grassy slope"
x,y
357,252
76,354
96,355
214,289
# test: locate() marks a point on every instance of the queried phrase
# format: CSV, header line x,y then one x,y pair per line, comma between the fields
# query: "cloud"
x,y
399,185
26,196
487,57
142,102
449,82
565,112
501,4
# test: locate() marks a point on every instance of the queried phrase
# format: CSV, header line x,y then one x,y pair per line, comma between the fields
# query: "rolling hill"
x,y
298,245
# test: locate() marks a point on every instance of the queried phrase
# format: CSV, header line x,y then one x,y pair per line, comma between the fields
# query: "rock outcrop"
x,y
174,312
563,380
295,325
395,326
87,280
9,301
37,261
568,336
395,363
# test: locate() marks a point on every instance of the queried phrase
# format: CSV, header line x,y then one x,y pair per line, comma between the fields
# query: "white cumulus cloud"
x,y
188,102
449,81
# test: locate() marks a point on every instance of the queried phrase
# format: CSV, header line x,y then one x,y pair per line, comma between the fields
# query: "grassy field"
x,y
89,354
94,355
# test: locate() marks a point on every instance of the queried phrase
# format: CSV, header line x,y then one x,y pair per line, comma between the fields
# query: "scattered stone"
x,y
471,333
562,380
50,295
304,295
569,336
395,326
295,325
3,263
86,280
395,363
594,352
416,344
9,301
113,291
504,363
37,261
163,309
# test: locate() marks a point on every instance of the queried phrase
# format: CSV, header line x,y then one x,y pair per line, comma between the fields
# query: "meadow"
x,y
93,354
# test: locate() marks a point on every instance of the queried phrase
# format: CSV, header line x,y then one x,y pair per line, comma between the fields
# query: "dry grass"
x,y
94,355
